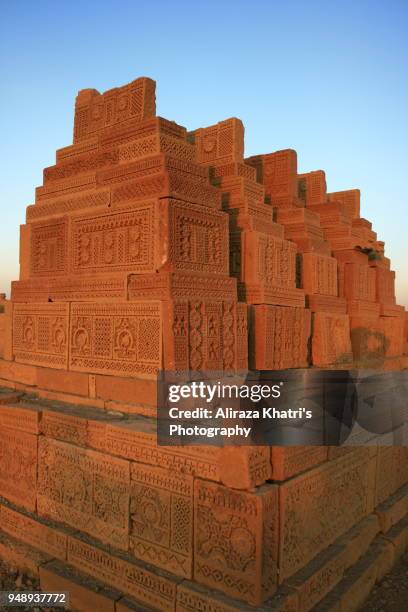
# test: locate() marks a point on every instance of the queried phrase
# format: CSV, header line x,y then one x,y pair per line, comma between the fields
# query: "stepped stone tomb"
x,y
152,248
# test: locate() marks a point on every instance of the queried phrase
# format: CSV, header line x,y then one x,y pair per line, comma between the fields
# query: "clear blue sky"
x,y
328,79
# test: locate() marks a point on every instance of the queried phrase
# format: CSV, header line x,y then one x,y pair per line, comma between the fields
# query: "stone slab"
x,y
85,490
235,541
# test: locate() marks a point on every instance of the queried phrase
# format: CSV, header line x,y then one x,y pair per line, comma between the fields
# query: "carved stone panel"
x,y
203,335
123,339
223,142
195,239
161,518
84,489
235,540
279,337
121,241
40,334
328,500
319,274
49,248
95,112
18,467
158,592
331,342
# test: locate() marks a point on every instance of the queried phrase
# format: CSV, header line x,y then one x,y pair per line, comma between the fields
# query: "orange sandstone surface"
x,y
152,248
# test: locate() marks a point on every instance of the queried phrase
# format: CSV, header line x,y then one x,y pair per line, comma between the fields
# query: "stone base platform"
x,y
338,579
90,503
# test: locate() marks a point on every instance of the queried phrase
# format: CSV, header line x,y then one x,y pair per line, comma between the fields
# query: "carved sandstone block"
x,y
84,489
331,341
34,533
350,200
161,176
222,142
240,169
202,335
84,592
70,289
267,260
161,518
393,330
245,194
137,441
278,173
192,597
385,286
6,330
124,339
20,415
193,239
95,112
312,187
391,471
181,286
91,161
235,541
244,467
66,187
54,206
319,274
64,427
326,303
131,578
291,460
150,235
329,499
114,242
279,337
319,576
49,244
40,334
26,559
265,294
359,282
18,467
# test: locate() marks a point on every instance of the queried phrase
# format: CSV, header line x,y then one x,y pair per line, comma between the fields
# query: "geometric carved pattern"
x,y
40,334
121,339
329,499
198,239
279,337
278,173
269,260
158,592
18,467
118,241
48,248
319,274
331,343
161,518
221,143
84,489
235,541
385,286
69,289
312,187
349,199
179,286
359,282
287,461
95,112
206,335
94,199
